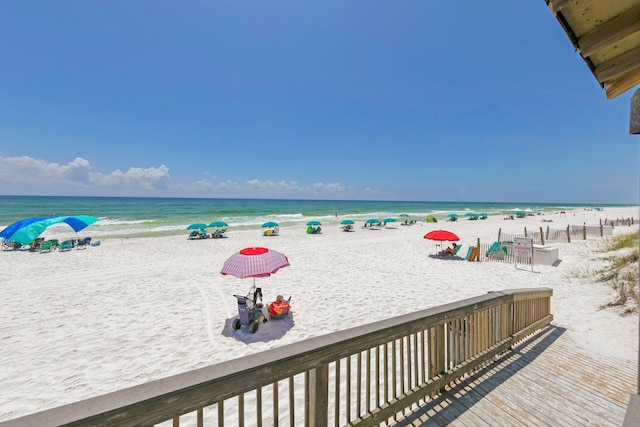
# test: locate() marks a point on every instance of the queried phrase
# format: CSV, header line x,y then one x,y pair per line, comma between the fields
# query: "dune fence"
x,y
501,250
362,376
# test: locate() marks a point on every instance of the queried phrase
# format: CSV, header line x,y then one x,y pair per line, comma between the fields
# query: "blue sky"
x,y
411,100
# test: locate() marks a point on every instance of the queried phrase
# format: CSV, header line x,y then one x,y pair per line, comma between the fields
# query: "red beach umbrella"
x,y
441,236
254,262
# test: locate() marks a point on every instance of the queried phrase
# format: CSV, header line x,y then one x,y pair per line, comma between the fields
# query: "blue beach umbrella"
x,y
389,220
270,224
314,223
347,222
27,230
373,221
453,215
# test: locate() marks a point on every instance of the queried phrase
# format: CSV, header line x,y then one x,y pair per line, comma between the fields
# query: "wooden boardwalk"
x,y
547,381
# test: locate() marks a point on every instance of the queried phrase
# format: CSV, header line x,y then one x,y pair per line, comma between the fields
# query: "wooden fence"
x,y
361,376
544,236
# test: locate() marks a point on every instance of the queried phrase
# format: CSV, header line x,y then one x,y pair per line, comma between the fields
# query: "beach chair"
x,y
493,249
469,253
65,246
82,243
444,254
45,246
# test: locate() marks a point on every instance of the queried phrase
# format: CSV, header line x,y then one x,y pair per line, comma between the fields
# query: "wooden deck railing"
x,y
361,376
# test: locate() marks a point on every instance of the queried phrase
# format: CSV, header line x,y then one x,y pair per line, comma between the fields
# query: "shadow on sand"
x,y
272,330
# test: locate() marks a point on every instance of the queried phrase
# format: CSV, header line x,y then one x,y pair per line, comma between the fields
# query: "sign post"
x,y
522,247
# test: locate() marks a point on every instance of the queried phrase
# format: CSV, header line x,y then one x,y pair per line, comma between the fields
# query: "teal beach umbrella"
x,y
197,226
218,224
347,222
314,223
270,224
27,230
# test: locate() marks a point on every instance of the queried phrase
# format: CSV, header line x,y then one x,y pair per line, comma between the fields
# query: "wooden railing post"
x,y
568,234
318,396
541,236
584,231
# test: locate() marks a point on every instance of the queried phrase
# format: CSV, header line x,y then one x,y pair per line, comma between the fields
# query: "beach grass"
x,y
622,272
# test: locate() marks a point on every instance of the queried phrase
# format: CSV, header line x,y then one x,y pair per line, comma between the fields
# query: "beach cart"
x,y
249,311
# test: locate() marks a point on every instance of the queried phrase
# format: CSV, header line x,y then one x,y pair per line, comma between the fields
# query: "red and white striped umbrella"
x,y
254,262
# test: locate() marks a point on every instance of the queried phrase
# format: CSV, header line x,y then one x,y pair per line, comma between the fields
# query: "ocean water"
x,y
149,217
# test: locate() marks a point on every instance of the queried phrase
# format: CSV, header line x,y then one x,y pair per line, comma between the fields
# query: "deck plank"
x,y
546,380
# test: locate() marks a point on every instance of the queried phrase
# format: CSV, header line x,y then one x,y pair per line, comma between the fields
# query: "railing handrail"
x,y
165,398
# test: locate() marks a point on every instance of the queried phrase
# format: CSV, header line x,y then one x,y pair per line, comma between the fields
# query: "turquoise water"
x,y
147,217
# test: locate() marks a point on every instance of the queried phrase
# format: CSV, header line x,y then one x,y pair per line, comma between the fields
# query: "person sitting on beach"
x,y
449,250
280,307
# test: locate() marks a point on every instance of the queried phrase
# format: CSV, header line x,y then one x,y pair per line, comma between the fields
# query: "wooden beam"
x,y
557,5
619,86
618,66
611,31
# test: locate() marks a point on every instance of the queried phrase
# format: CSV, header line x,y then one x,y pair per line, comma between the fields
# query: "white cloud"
x,y
28,175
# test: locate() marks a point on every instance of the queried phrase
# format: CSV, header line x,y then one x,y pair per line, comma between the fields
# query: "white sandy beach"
x,y
78,324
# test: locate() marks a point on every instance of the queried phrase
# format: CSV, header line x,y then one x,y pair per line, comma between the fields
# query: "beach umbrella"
x,y
254,262
389,220
314,223
441,236
403,216
27,230
452,215
373,221
197,226
270,224
347,222
218,224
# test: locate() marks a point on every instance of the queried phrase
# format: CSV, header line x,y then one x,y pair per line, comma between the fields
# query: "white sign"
x,y
523,246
